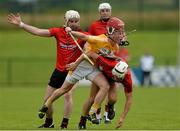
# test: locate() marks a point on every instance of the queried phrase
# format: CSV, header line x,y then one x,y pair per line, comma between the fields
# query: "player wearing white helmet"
x,y
105,11
72,15
98,27
67,52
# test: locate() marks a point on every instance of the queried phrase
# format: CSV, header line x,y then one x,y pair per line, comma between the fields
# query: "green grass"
x,y
162,44
153,108
30,54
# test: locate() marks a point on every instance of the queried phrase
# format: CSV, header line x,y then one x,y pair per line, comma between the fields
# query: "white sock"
x,y
98,116
106,116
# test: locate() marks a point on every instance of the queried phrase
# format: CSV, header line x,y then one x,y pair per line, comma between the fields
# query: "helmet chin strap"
x,y
122,43
113,40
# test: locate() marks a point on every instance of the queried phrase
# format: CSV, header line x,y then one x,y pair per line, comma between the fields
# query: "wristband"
x,y
21,25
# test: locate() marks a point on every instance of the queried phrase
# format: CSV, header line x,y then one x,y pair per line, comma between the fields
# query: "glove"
x,y
124,43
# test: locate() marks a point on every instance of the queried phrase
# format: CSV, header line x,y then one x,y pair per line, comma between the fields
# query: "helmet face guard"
x,y
110,30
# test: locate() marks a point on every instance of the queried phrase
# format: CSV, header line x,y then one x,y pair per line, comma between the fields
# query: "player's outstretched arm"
x,y
126,109
77,34
15,19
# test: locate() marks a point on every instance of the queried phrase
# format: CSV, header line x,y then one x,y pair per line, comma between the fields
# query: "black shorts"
x,y
57,78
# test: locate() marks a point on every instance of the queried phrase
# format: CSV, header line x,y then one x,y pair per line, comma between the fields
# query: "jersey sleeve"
x,y
127,82
53,31
94,39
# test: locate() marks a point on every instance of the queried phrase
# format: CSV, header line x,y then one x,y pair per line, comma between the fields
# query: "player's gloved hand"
x,y
124,43
72,66
14,19
104,52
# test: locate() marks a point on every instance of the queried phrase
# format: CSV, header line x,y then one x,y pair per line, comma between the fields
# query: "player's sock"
x,y
48,102
106,119
111,106
99,110
94,109
93,112
64,123
82,123
106,108
98,114
111,111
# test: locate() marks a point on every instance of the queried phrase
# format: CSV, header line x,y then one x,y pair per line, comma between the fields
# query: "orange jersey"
x,y
96,43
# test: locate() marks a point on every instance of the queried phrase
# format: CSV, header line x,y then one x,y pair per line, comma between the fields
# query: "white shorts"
x,y
84,70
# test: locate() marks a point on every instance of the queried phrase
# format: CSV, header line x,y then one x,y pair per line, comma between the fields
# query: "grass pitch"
x,y
153,108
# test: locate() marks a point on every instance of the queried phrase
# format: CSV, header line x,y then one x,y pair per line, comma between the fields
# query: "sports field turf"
x,y
162,44
153,108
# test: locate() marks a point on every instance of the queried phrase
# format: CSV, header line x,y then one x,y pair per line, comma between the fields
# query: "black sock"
x,y
82,120
111,106
49,121
64,123
99,110
106,108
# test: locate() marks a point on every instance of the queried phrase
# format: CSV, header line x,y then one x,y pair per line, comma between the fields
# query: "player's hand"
x,y
14,19
119,123
72,66
68,29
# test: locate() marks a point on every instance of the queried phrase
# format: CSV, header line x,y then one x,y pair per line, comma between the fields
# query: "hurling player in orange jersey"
x,y
115,34
100,44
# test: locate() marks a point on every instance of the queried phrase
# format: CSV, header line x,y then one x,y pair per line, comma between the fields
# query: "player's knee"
x,y
105,87
91,100
66,89
68,96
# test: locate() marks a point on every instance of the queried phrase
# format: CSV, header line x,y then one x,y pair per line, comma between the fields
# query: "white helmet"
x,y
120,69
104,6
71,14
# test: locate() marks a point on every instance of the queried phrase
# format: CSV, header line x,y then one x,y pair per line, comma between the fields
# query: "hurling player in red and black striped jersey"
x,y
67,52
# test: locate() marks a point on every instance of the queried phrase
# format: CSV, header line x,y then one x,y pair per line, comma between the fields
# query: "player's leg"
x,y
49,114
98,114
56,80
86,107
112,98
56,94
68,105
79,73
101,81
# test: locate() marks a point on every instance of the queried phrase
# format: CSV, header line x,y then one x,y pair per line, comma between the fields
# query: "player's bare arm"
x,y
72,66
77,34
15,19
126,109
